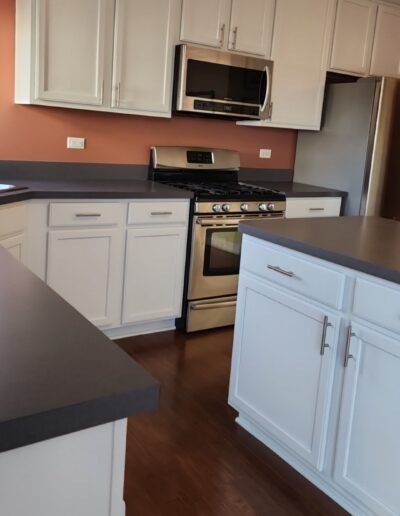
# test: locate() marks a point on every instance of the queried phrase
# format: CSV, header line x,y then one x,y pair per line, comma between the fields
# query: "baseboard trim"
x,y
140,329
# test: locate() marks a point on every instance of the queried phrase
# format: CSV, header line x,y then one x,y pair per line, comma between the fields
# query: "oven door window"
x,y
222,252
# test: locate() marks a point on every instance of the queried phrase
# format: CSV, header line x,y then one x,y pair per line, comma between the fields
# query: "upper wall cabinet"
x,y
353,36
300,49
386,50
66,55
144,38
237,25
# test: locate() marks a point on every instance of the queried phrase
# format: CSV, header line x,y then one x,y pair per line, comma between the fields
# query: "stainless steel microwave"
x,y
216,83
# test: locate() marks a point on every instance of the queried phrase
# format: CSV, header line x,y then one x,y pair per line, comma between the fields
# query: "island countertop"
x,y
366,244
58,373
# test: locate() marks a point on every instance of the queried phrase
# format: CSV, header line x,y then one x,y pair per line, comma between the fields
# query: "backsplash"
x,y
30,133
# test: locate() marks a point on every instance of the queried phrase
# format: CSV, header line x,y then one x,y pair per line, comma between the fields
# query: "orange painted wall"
x,y
39,134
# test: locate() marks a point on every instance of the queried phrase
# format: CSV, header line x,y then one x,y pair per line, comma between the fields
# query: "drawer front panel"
x,y
301,276
378,304
155,212
13,219
313,207
85,214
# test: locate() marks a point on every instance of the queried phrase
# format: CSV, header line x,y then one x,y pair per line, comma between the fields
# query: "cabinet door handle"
x,y
222,35
102,92
234,32
80,215
161,213
316,209
324,345
118,94
348,356
281,271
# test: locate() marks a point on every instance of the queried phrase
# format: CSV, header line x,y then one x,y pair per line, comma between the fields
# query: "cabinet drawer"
x,y
85,214
378,304
313,207
301,276
151,212
13,219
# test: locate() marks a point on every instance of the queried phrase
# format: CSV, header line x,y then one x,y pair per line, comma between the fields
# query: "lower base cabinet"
x,y
14,245
154,273
282,372
331,412
84,266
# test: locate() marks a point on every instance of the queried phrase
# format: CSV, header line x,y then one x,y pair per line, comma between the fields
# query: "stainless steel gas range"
x,y
220,203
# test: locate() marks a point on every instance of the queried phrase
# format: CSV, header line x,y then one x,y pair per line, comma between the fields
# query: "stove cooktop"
x,y
205,191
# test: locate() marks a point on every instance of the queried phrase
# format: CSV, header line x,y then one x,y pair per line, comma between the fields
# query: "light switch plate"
x,y
75,143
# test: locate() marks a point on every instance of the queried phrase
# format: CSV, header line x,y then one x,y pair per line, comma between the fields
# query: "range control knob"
x,y
271,206
225,207
244,207
263,207
217,208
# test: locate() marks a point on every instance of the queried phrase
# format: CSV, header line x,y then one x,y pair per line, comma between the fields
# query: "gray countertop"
x,y
58,373
91,189
299,189
366,244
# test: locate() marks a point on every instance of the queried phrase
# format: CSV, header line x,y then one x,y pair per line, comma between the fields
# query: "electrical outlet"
x,y
265,153
75,143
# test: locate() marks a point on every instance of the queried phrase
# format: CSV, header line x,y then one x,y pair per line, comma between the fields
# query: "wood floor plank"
x,y
190,458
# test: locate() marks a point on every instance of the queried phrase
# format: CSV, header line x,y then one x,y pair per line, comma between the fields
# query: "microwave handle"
x,y
264,113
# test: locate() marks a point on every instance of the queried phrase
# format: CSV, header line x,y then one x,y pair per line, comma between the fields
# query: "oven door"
x,y
215,257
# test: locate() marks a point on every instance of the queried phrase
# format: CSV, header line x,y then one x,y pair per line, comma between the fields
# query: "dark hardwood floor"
x,y
190,458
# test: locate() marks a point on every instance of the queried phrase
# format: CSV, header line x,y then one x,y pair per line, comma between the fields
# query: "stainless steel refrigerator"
x,y
358,147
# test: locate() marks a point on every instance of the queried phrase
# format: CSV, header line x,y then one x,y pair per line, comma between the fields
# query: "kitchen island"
x,y
66,393
316,361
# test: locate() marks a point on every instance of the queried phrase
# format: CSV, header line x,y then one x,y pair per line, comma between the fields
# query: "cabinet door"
x,y
279,376
251,26
85,267
386,51
205,22
368,446
353,36
15,246
143,55
154,272
72,40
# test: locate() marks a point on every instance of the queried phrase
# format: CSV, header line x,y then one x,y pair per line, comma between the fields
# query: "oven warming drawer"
x,y
210,313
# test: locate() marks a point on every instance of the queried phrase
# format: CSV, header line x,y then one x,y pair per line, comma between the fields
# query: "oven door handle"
x,y
209,306
225,222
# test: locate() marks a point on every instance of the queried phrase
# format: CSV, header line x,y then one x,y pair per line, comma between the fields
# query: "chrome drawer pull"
x,y
325,326
316,209
210,306
347,356
161,213
87,215
222,33
281,271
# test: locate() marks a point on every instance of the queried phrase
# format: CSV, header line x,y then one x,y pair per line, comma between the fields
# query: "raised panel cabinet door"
x,y
143,55
205,22
251,26
368,445
15,246
85,266
386,50
282,366
353,36
72,40
154,272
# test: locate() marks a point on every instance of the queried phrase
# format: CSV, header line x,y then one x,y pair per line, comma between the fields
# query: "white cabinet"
x,y
282,369
300,49
205,22
300,207
368,450
154,273
13,224
143,55
386,51
353,36
84,266
104,55
14,245
238,25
